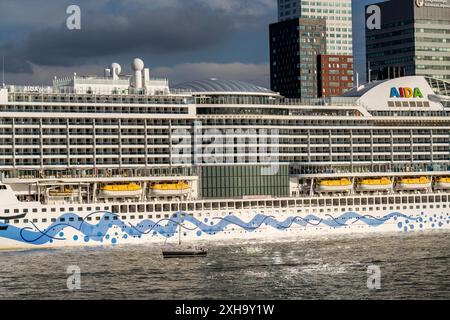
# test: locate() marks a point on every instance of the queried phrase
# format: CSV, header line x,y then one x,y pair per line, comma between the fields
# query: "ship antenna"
x,y
3,71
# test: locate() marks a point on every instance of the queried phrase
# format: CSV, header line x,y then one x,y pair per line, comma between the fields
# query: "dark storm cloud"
x,y
158,31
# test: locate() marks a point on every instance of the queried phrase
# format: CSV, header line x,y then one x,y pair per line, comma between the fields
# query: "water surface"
x,y
413,266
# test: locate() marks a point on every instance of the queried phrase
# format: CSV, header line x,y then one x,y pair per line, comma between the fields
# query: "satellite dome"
x,y
137,64
115,66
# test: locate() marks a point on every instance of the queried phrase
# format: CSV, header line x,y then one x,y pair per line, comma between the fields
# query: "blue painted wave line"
x,y
98,232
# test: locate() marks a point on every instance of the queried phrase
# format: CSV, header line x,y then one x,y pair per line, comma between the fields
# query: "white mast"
x,y
3,71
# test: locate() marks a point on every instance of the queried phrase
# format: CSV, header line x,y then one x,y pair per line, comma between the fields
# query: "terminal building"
x,y
414,39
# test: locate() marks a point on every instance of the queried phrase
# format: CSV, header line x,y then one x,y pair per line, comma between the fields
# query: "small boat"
x,y
372,184
170,189
66,192
184,252
335,185
442,183
121,190
180,251
421,183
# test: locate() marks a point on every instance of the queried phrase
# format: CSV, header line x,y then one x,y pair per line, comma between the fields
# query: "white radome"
x,y
137,64
115,67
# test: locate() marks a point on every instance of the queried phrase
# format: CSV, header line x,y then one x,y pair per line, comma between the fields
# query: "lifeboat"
x,y
372,184
121,190
60,192
340,185
442,183
170,189
421,183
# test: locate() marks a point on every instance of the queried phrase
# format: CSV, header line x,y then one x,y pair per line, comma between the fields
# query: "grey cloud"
x,y
114,28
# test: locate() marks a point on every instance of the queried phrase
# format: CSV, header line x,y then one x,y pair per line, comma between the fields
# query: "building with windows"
x,y
338,16
335,74
414,39
294,47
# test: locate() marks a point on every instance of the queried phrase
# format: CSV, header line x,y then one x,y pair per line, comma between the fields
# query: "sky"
x,y
180,40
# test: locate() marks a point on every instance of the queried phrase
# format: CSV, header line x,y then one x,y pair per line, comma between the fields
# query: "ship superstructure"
x,y
128,159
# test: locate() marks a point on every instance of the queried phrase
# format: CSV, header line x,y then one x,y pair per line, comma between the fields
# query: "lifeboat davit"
x,y
121,190
422,183
339,185
170,189
372,184
442,183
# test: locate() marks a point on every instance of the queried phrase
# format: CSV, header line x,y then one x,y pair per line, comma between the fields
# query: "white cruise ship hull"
x,y
119,194
442,186
156,192
374,187
107,228
414,186
325,189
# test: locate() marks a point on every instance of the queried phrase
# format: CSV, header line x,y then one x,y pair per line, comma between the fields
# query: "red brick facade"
x,y
335,74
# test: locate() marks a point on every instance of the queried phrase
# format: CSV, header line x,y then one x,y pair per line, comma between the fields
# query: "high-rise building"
x,y
338,15
335,74
294,47
414,39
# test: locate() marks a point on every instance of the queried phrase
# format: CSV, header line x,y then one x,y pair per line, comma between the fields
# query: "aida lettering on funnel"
x,y
406,93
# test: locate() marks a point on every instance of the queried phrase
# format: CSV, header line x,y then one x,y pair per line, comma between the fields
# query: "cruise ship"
x,y
127,159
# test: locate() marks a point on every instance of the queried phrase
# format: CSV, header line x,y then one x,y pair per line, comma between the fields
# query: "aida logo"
x,y
406,93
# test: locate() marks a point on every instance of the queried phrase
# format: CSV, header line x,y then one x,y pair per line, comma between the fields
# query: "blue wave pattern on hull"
x,y
169,227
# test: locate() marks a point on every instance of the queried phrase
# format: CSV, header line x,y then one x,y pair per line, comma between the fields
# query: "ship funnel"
x,y
137,66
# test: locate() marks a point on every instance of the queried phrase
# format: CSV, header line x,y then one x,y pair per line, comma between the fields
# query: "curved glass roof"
x,y
357,92
216,85
439,86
